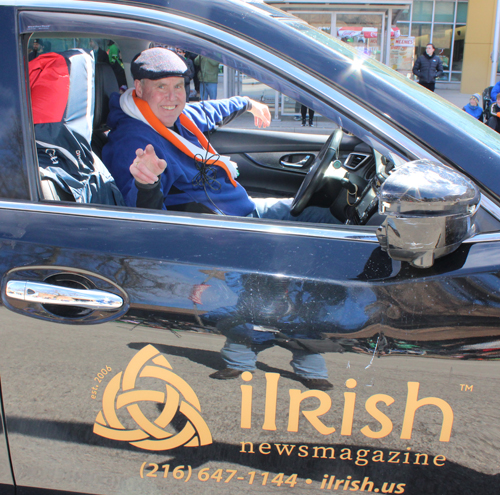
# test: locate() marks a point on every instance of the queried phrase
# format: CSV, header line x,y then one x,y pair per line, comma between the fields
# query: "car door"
x,y
113,319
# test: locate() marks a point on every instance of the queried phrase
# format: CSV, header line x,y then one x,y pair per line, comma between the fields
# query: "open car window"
x,y
369,143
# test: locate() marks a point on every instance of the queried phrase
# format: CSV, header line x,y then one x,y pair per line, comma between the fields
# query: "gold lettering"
x,y
354,486
263,447
346,485
378,456
246,401
330,483
243,448
338,483
286,448
296,397
345,454
394,455
412,404
271,401
439,458
406,456
304,451
349,403
323,483
324,449
385,422
366,482
360,457
417,459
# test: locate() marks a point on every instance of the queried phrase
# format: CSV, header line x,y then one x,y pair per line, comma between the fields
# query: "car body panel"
x,y
122,401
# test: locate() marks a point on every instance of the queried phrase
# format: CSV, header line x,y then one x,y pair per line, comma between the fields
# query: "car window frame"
x,y
315,93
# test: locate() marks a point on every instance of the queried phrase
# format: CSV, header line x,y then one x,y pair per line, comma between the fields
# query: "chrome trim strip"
x,y
487,237
340,232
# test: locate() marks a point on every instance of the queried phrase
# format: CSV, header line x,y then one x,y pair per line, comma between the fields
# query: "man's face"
x,y
166,97
36,46
430,50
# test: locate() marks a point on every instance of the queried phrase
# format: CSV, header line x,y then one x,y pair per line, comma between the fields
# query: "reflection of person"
x,y
303,113
250,328
494,120
99,54
473,107
38,49
208,75
152,125
428,67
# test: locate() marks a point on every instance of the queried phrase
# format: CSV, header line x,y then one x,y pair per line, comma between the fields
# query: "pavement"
x,y
324,126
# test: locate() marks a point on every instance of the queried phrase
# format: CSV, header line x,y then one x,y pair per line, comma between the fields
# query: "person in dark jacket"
x,y
428,68
473,108
190,74
38,49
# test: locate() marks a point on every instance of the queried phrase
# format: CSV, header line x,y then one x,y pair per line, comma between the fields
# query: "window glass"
x,y
456,76
422,11
362,32
404,28
462,12
402,15
319,21
444,11
422,34
442,41
458,47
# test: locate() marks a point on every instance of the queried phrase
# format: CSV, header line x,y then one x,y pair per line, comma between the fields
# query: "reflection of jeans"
x,y
208,90
279,209
243,357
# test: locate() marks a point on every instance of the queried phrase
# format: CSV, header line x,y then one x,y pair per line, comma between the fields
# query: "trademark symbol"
x,y
466,388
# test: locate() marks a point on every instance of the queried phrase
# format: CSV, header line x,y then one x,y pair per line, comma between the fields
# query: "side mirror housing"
x,y
430,211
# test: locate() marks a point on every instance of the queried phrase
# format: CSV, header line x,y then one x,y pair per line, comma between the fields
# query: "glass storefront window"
x,y
362,32
458,48
319,21
404,28
444,12
403,15
442,42
456,76
422,34
462,12
422,11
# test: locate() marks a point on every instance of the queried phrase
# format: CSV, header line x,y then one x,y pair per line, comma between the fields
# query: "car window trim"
x,y
351,233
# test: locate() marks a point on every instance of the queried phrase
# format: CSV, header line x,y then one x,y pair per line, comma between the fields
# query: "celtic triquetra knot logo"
x,y
121,392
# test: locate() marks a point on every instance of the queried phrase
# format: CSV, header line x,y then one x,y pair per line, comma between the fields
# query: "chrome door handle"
x,y
64,296
299,164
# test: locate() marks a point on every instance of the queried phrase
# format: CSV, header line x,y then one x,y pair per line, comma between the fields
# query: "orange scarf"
x,y
170,136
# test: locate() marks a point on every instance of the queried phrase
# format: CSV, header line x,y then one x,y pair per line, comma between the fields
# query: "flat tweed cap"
x,y
157,63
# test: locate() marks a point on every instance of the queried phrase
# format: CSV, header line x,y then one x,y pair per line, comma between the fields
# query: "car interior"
x,y
347,167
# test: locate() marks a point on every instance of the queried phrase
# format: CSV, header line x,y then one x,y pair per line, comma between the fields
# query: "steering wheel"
x,y
312,180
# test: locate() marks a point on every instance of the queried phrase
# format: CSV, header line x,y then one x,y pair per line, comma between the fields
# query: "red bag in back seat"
x,y
62,95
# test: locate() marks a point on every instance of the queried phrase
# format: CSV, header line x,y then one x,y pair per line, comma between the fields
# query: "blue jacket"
x,y
129,134
494,91
476,111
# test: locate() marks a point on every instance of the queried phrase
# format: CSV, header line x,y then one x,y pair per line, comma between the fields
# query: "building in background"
x,y
396,32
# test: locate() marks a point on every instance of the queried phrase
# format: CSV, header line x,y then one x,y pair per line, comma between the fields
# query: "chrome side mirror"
x,y
430,211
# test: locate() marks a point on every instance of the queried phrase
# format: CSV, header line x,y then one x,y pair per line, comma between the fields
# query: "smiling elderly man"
x,y
159,155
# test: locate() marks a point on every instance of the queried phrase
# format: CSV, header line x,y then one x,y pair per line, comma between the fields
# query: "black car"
x,y
114,317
